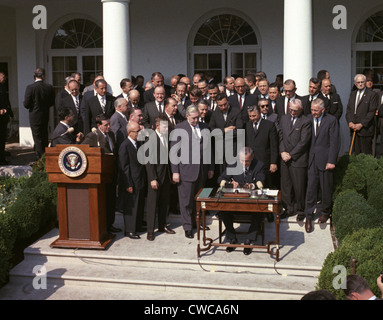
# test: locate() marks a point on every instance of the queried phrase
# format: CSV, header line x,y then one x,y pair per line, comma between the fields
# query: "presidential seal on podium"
x,y
72,161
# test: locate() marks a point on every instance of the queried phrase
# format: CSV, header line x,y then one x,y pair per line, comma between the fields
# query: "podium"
x,y
82,174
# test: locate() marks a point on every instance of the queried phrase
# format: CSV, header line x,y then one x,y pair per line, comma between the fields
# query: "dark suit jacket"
x,y
264,142
295,140
60,96
365,111
131,171
150,113
250,100
234,118
280,105
39,97
307,103
93,109
325,144
182,107
118,126
336,106
97,139
5,104
189,171
256,173
69,103
69,138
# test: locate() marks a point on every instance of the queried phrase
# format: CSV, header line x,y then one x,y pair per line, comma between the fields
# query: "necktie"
x,y
255,129
108,141
102,101
76,103
196,133
357,100
163,140
316,126
288,106
264,117
160,107
240,102
292,122
173,122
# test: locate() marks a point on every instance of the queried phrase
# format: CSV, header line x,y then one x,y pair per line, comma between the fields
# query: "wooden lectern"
x,y
81,174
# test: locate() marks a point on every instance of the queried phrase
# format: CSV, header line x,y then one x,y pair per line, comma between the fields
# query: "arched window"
x,y
368,48
77,33
224,44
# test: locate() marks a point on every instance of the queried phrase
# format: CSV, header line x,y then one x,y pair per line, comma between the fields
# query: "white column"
x,y
298,43
116,35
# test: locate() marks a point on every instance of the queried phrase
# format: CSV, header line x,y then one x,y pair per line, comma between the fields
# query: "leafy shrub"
x,y
365,245
351,211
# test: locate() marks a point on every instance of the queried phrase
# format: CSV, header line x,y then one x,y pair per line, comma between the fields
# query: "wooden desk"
x,y
206,199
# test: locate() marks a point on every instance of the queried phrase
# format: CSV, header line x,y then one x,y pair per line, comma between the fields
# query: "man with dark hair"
x,y
283,102
195,95
73,101
213,92
101,103
315,86
324,74
126,86
157,80
357,288
39,97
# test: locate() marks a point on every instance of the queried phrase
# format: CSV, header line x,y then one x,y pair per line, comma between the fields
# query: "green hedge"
x,y
365,245
357,220
33,209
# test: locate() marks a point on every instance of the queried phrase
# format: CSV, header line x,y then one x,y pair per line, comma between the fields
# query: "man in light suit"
x,y
323,157
132,177
103,138
242,99
118,120
96,105
360,113
294,137
159,179
190,174
39,97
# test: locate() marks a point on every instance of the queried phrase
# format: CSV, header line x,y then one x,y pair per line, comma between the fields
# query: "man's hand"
x,y
330,166
130,189
154,184
273,168
358,127
285,156
176,177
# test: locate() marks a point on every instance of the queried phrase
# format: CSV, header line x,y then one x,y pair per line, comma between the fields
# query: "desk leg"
x,y
277,223
197,218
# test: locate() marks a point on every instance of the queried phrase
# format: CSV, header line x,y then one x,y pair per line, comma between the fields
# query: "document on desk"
x,y
271,193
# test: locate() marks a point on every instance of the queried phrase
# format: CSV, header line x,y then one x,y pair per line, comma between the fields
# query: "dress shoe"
x,y
247,251
201,227
309,225
285,214
230,249
166,230
189,234
132,235
114,229
323,218
150,236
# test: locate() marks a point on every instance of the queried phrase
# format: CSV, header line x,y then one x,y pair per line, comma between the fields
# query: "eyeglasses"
x,y
264,106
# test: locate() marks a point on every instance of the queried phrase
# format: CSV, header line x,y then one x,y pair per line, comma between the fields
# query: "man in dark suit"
x,y
360,113
5,114
242,99
96,105
62,134
103,138
195,95
155,108
126,86
159,179
133,181
315,86
323,157
227,119
181,96
39,97
118,120
190,173
73,101
262,137
171,113
283,102
251,83
295,137
252,174
63,93
135,99
273,95
157,81
212,101
204,112
336,106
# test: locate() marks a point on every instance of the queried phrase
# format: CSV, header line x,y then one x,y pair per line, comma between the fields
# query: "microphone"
x,y
69,130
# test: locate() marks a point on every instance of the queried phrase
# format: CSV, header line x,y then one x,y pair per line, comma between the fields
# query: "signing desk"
x,y
209,199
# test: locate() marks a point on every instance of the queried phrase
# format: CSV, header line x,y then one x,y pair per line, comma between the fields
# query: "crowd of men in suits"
x,y
293,139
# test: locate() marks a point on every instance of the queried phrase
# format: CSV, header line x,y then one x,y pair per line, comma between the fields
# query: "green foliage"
x,y
365,245
32,208
351,211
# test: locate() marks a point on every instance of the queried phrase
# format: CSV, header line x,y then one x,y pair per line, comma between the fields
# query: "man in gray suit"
x,y
189,174
322,159
295,137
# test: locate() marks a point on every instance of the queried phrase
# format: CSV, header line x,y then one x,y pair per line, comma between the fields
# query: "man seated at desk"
x,y
253,175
